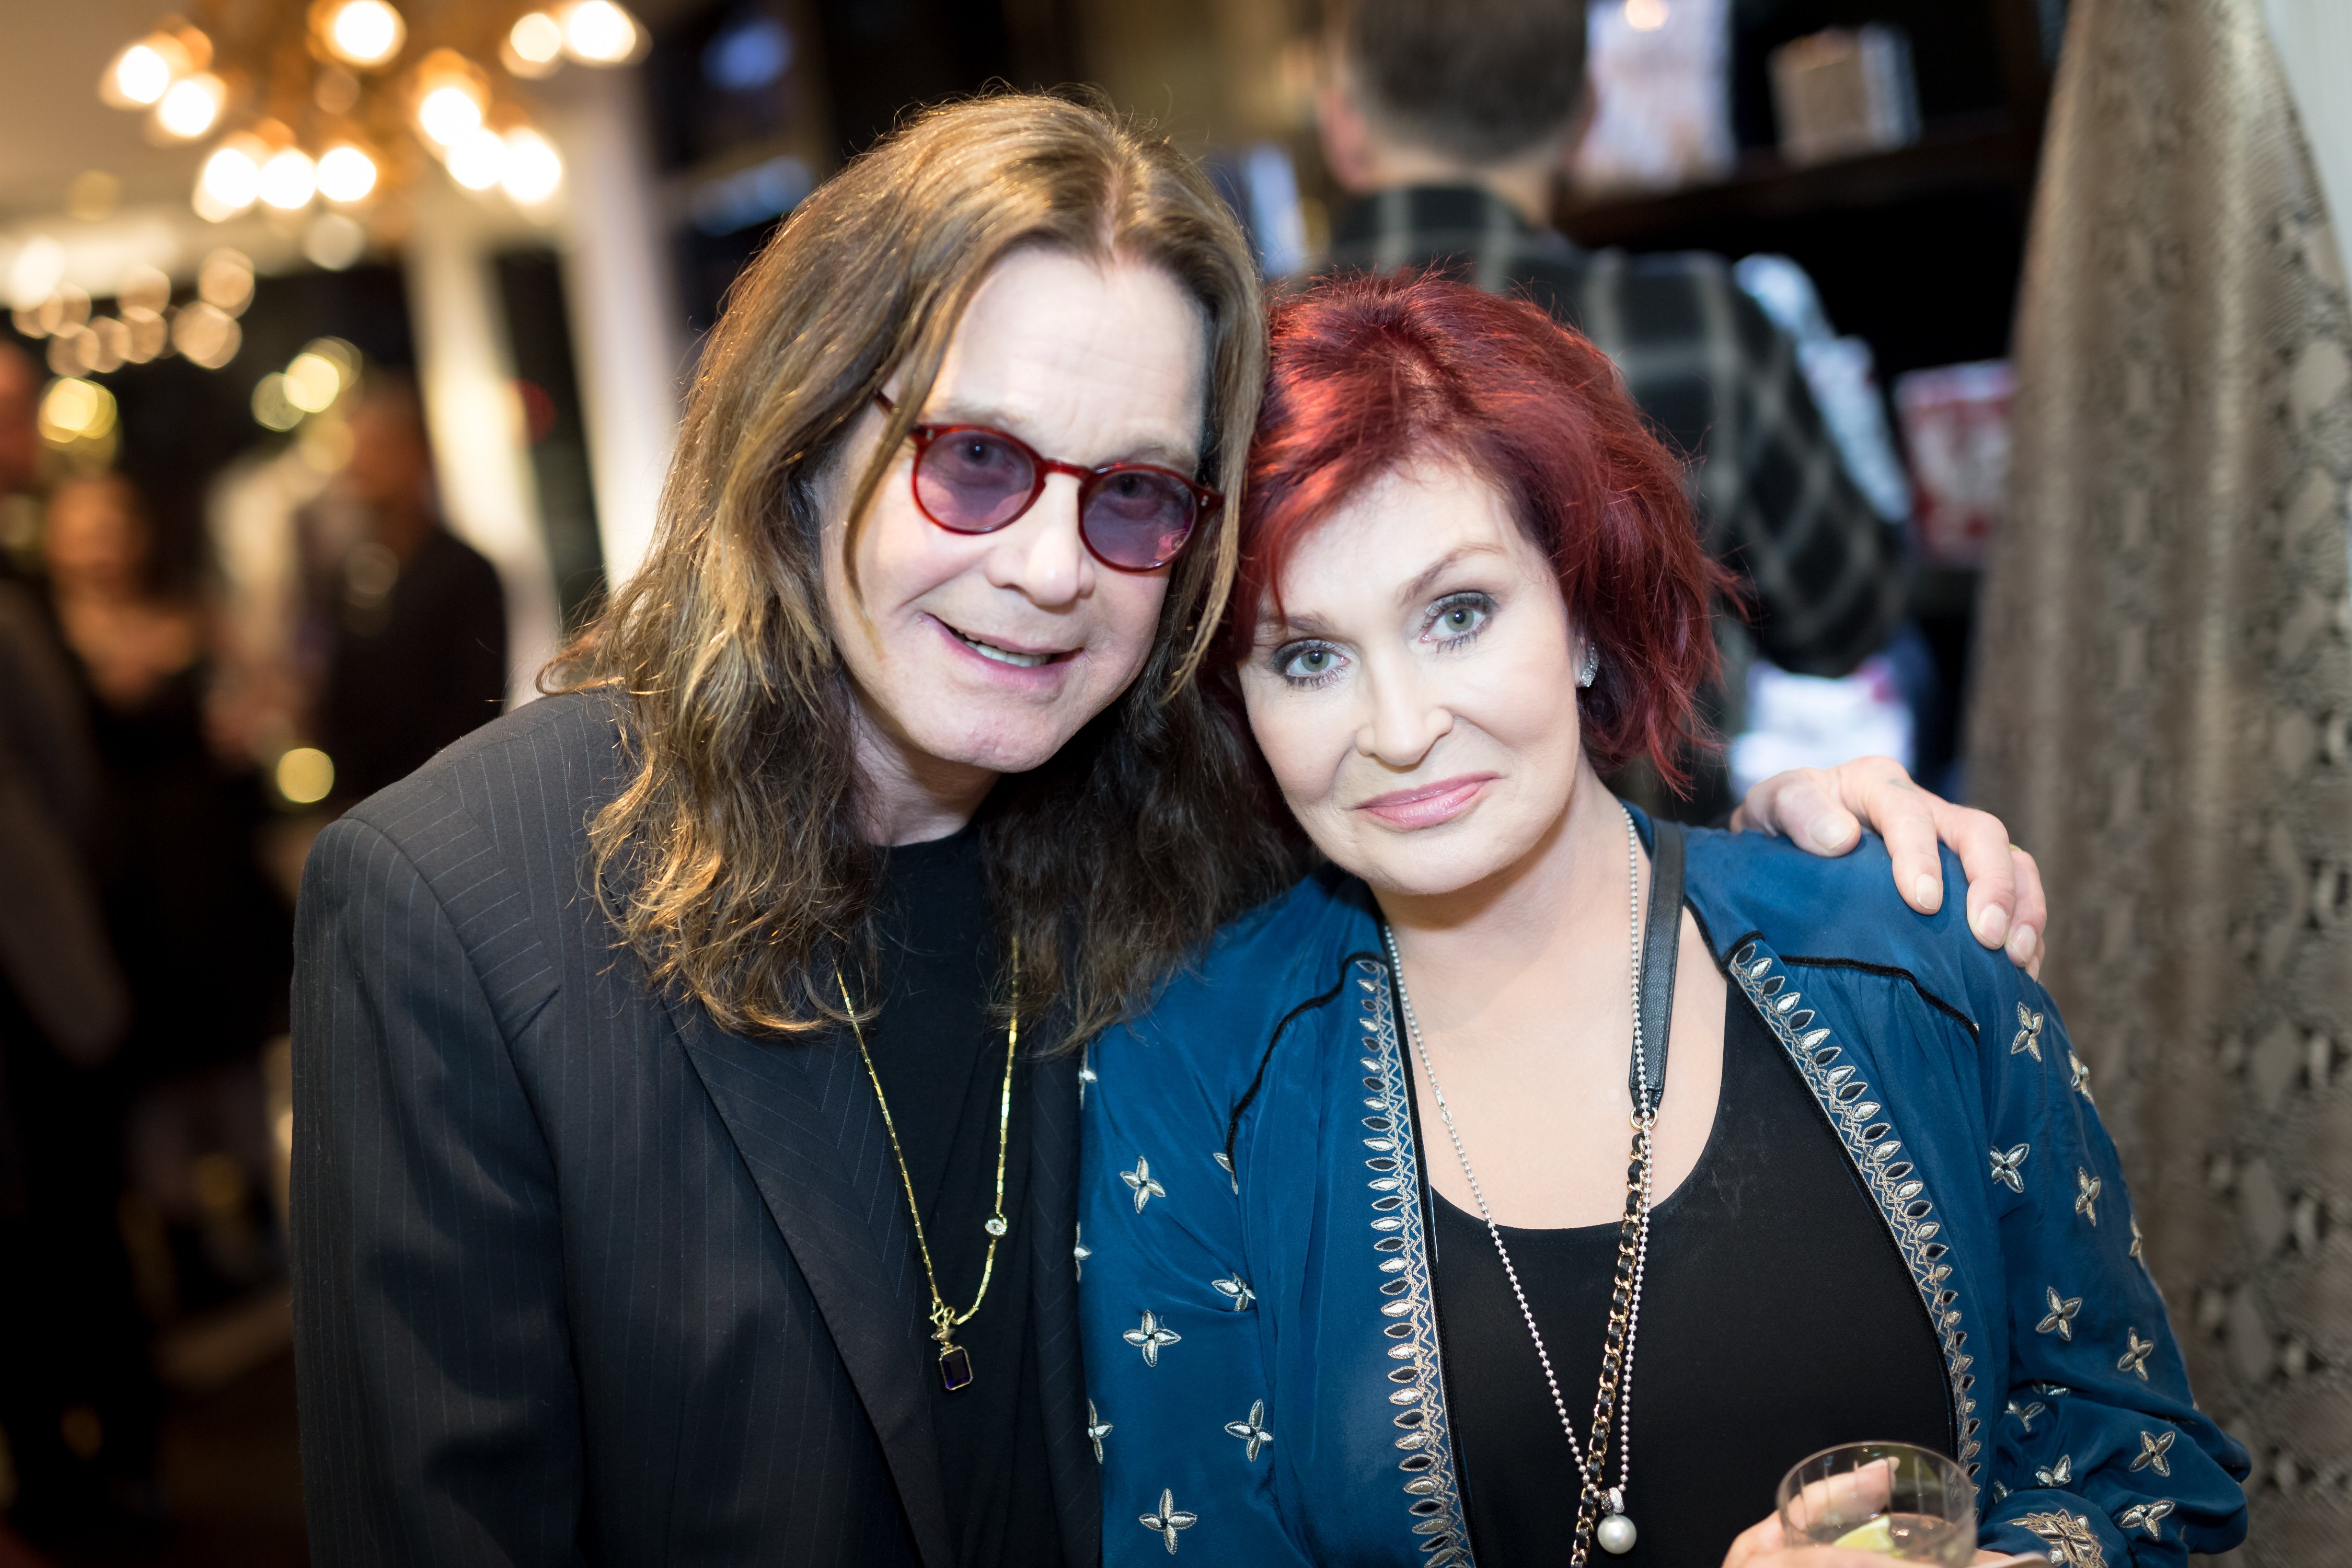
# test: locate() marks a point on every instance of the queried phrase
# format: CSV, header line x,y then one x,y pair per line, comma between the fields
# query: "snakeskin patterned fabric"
x,y
2166,690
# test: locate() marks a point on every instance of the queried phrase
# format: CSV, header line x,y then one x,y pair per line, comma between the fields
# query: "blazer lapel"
x,y
1061,1374
805,1119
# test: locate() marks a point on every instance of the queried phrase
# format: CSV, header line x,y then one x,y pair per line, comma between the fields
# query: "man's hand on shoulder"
x,y
1824,811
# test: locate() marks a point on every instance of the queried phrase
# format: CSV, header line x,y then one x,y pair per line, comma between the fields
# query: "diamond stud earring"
x,y
1591,666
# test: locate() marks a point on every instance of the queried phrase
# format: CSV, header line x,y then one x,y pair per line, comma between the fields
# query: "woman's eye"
x,y
1310,663
1460,617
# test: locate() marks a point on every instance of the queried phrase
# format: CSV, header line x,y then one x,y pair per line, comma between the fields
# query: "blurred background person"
x,y
407,622
202,935
20,459
1449,123
77,1405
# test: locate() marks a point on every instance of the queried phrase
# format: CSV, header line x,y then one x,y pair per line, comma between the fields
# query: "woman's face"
x,y
94,540
988,651
1416,698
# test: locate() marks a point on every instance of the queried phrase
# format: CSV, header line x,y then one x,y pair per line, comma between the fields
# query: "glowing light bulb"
x,y
346,173
448,114
289,180
1646,15
477,158
532,169
143,73
363,33
191,107
599,33
534,46
229,181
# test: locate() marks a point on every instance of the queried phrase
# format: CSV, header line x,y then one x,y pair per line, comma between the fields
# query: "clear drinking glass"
x,y
1889,1498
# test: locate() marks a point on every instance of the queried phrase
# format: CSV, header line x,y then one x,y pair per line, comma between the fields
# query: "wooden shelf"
x,y
1961,152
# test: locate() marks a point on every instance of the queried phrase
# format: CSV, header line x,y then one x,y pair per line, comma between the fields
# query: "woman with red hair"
x,y
1379,1183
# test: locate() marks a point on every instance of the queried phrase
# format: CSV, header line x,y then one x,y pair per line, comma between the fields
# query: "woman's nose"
x,y
1404,721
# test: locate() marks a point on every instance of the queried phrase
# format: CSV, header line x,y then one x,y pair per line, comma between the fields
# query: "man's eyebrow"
x,y
1439,568
1184,460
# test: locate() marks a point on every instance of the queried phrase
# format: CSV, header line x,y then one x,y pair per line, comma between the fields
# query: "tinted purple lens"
x,y
1138,518
973,482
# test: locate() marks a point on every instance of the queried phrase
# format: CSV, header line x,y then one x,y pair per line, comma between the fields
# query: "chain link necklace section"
x,y
1600,1508
955,1360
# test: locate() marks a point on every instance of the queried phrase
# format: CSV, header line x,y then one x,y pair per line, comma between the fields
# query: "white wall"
x,y
2315,45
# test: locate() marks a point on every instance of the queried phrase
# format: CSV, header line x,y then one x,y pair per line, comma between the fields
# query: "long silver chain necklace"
x,y
1612,1405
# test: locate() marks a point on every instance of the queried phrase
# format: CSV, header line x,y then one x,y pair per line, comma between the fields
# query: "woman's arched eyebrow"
x,y
1437,570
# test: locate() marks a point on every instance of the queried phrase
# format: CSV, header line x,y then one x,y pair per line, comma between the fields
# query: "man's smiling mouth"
x,y
1003,654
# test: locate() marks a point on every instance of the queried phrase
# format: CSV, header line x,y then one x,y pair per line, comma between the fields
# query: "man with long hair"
x,y
685,1129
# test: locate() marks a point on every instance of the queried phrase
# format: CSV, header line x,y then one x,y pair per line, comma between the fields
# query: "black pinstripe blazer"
x,y
579,1277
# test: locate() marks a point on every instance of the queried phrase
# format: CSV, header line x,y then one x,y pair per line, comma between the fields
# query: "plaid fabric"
x,y
1718,381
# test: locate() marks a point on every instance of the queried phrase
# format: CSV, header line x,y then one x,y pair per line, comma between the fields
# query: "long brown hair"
x,y
733,861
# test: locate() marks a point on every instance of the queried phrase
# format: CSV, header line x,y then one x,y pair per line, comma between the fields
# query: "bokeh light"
x,y
363,33
208,335
191,107
531,169
334,241
143,72
289,180
224,282
477,158
314,381
534,46
346,173
73,410
599,33
272,409
305,775
230,180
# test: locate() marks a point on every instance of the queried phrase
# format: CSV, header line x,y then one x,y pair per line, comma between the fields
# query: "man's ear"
x,y
1346,136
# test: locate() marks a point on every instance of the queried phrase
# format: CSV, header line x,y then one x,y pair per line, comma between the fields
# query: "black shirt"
x,y
1777,1318
939,1051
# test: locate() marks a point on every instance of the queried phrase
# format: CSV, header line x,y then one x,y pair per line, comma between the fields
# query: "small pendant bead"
x,y
1616,1535
994,1227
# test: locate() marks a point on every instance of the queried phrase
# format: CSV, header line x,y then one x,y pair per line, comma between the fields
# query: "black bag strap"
x,y
1660,940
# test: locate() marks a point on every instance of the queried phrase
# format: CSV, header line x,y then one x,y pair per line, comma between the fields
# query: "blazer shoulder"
x,y
547,766
1844,910
495,829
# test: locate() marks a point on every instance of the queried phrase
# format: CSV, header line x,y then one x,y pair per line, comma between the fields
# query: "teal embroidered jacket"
x,y
1261,1344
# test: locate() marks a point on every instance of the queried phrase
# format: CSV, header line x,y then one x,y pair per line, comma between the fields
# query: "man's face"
x,y
976,655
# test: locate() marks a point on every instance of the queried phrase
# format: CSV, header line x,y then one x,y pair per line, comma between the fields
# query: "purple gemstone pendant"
x,y
955,1367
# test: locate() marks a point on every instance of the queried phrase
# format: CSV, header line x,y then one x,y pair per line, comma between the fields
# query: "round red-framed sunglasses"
x,y
970,479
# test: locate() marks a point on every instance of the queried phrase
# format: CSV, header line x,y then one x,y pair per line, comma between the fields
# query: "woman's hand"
x,y
1760,1545
1824,810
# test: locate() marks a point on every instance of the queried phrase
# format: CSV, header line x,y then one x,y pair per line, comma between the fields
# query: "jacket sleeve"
x,y
1176,1375
2100,1455
440,1418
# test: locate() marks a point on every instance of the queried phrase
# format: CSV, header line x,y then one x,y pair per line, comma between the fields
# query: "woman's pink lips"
x,y
1429,805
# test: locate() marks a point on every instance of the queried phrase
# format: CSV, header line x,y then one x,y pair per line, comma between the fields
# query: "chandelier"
x,y
330,104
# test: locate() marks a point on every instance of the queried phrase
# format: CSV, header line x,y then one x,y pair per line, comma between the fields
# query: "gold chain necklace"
x,y
955,1360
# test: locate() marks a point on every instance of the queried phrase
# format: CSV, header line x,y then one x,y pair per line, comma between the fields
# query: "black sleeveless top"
x,y
1777,1320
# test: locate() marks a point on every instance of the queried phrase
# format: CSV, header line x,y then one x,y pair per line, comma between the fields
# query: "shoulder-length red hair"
x,y
1369,373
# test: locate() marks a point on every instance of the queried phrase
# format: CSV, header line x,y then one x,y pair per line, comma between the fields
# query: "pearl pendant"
x,y
1616,1535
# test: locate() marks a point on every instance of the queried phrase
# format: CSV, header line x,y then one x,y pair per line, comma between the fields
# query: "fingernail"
x,y
1928,894
1828,830
2021,944
1992,924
